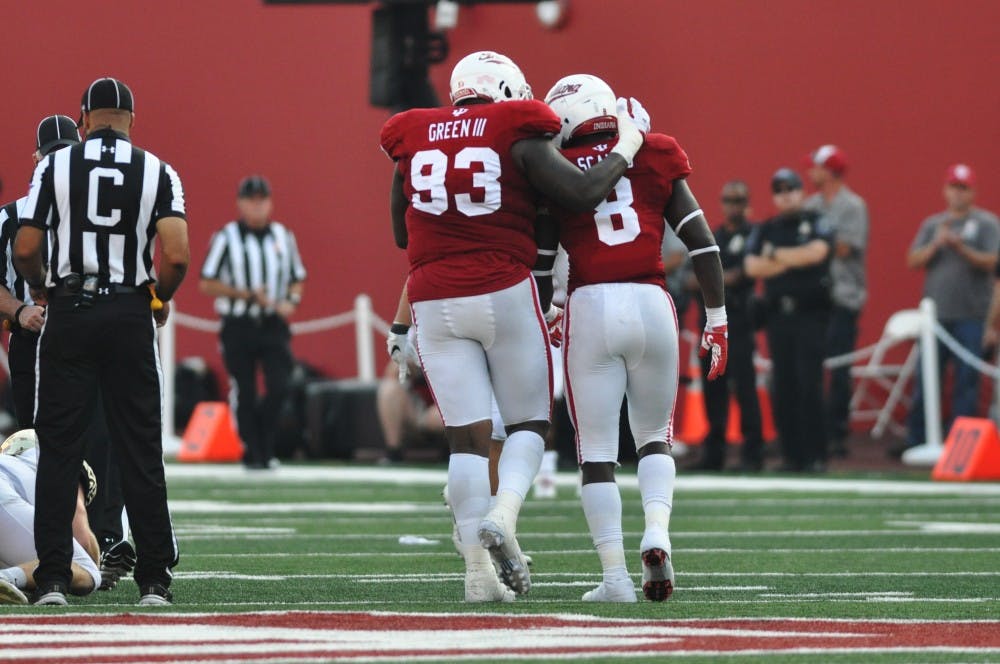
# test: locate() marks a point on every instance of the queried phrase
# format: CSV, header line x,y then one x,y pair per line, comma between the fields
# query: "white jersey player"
x,y
18,465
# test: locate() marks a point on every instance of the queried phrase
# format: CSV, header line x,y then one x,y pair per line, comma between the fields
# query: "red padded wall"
x,y
230,87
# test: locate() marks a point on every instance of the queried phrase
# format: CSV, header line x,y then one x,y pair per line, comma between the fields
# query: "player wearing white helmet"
x,y
488,76
18,465
620,327
464,203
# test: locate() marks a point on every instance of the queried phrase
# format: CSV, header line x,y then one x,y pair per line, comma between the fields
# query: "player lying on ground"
x,y
18,465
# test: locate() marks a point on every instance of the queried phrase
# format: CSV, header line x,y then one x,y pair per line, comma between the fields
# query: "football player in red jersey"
x,y
463,205
620,326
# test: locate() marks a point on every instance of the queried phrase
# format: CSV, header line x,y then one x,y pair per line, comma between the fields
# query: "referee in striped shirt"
x,y
103,203
255,273
54,132
26,318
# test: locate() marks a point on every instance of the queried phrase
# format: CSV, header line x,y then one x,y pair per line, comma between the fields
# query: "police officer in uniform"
x,y
103,203
741,377
791,253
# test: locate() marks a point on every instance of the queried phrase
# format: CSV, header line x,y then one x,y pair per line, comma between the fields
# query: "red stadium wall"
x,y
229,87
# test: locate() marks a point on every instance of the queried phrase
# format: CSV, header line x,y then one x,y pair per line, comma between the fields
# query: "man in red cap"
x,y
847,215
958,248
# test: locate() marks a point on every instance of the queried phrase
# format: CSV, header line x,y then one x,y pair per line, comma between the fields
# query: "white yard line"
x,y
677,550
438,477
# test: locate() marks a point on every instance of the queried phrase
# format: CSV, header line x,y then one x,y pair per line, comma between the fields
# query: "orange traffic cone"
x,y
768,430
210,435
694,420
734,433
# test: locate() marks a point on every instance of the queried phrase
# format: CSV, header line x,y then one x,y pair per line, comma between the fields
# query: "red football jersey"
x,y
621,239
471,215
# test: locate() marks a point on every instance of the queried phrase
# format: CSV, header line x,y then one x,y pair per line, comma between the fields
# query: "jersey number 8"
x,y
435,163
617,221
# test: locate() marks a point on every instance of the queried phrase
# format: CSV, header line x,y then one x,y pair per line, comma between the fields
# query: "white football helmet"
x,y
19,442
488,75
585,105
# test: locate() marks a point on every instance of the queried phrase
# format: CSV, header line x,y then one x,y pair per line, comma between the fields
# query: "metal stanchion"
x,y
928,453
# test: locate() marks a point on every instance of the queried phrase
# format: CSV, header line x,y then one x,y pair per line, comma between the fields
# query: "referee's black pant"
x,y
111,346
249,343
105,511
21,352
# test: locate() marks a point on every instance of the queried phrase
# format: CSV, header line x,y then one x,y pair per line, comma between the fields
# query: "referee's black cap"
x,y
254,185
106,93
54,132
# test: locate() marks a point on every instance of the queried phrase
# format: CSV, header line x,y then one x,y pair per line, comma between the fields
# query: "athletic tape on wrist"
x,y
715,316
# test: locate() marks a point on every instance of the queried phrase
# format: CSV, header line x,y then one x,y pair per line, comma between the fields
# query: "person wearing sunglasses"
x,y
741,377
791,253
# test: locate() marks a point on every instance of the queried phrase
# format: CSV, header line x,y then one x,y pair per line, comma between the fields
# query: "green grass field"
x,y
323,538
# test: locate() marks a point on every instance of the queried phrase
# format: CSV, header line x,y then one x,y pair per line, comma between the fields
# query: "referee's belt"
x,y
102,291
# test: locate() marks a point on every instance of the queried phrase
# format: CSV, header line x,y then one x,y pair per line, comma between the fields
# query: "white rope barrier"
x,y
195,323
850,358
323,324
366,323
190,322
963,353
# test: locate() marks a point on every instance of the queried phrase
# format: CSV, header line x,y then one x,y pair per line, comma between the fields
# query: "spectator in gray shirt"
x,y
958,249
847,215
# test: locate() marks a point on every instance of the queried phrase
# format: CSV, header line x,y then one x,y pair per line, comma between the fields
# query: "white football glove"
x,y
630,137
636,111
401,351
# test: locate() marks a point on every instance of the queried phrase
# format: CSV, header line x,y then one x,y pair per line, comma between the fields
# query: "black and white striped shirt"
x,y
100,201
248,259
10,219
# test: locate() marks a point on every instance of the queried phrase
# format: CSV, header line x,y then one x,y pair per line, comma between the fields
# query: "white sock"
x,y
549,460
657,474
16,576
519,462
602,505
469,492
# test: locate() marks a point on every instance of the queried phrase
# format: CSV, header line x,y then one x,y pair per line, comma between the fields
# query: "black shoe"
x,y
155,595
117,562
53,594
